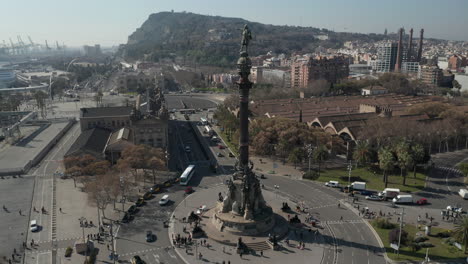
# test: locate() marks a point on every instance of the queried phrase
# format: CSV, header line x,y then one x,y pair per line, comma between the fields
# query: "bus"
x,y
187,175
203,121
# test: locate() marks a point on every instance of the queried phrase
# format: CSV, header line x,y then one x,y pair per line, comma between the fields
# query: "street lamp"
x,y
276,188
350,167
82,221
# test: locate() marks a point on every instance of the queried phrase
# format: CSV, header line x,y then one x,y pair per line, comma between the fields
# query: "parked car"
x,y
127,218
373,198
422,201
164,200
231,155
366,193
219,154
221,146
140,201
148,195
137,260
155,189
189,190
150,237
132,209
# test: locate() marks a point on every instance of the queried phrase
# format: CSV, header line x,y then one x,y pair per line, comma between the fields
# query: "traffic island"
x,y
222,246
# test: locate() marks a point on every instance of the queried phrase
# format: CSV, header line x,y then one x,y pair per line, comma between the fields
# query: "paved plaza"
x,y
219,252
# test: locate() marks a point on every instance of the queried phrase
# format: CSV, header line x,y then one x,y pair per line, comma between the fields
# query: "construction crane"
x,y
30,40
47,45
13,47
58,47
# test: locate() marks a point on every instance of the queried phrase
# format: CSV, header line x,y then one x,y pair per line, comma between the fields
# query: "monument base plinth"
x,y
237,225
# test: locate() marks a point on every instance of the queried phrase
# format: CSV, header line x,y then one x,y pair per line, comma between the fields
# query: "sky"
x,y
110,22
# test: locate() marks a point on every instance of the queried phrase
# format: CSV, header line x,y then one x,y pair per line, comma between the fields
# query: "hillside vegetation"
x,y
215,40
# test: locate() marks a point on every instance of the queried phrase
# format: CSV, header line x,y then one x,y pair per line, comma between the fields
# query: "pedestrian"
x,y
60,209
261,253
427,216
200,255
14,251
20,212
398,219
358,207
224,262
224,250
240,254
229,262
339,205
341,218
9,261
13,256
419,218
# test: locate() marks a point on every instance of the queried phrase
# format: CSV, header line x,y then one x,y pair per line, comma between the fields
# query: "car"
x,y
137,260
201,209
164,200
33,226
221,146
155,189
76,100
421,201
373,198
132,209
219,154
148,195
366,193
140,201
127,218
189,190
231,155
454,209
150,237
334,184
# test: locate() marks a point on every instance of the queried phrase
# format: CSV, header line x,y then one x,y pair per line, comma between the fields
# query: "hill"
x,y
214,40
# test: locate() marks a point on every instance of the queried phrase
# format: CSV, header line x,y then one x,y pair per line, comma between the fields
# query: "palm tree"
x,y
461,230
362,153
386,162
320,154
417,153
404,159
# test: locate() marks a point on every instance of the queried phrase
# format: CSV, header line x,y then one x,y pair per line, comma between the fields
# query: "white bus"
x,y
203,121
187,175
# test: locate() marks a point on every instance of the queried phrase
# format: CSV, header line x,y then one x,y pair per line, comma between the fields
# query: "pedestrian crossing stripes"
x,y
452,170
145,251
338,222
56,240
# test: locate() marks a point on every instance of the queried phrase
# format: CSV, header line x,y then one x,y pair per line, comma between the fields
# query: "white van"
x,y
164,200
333,184
33,226
404,198
463,193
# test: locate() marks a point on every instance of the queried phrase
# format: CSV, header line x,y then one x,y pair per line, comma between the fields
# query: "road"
x,y
355,242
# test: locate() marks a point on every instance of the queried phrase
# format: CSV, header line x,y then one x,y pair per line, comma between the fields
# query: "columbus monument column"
x,y
243,210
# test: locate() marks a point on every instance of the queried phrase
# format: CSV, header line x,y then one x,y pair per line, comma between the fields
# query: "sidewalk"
x,y
72,204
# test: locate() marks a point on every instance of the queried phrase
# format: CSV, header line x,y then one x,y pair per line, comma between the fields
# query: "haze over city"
x,y
110,22
183,132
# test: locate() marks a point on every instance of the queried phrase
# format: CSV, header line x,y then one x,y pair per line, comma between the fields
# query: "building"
x,y
373,90
131,81
386,57
410,67
92,51
106,117
7,77
430,74
456,62
332,69
137,125
256,74
90,142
